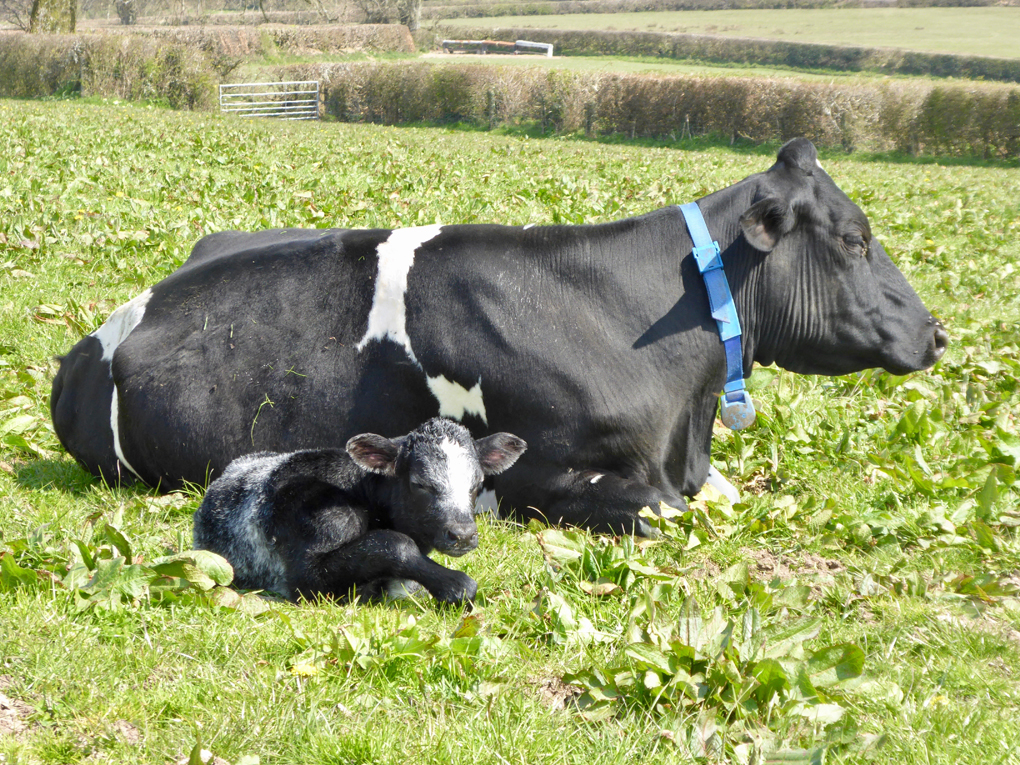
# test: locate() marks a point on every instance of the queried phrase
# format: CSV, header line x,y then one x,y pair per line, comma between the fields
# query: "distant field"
x,y
638,65
967,31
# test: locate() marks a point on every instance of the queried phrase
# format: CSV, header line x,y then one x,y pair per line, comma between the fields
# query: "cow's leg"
x,y
602,502
369,563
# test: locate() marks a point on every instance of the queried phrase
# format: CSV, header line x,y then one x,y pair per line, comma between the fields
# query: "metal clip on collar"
x,y
735,406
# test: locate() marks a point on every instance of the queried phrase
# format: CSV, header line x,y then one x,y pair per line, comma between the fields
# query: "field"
x,y
859,604
641,65
967,31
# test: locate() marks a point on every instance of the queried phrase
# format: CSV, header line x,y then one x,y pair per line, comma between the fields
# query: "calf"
x,y
360,521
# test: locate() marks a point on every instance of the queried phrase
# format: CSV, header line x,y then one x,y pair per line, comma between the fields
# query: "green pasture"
x,y
966,31
858,605
643,65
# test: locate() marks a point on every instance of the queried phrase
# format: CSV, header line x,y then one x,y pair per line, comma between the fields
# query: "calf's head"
x,y
828,299
434,475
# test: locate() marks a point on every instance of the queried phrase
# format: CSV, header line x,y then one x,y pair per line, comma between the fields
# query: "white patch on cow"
x,y
528,225
819,163
487,503
115,428
461,470
388,316
115,330
455,400
721,485
597,478
120,323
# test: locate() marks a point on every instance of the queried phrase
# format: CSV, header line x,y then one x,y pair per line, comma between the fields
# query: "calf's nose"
x,y
462,537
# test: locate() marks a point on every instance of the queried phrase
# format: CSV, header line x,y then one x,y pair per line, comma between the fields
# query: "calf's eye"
x,y
422,487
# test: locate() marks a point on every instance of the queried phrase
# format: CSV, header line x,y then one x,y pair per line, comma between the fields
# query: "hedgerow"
x,y
913,117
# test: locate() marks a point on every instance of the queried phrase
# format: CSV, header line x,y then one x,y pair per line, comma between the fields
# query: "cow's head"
x,y
434,474
828,300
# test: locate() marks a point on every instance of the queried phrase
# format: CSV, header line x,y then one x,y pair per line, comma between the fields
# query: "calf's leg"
x,y
366,564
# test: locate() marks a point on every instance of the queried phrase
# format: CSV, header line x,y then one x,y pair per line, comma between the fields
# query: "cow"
x,y
362,520
594,343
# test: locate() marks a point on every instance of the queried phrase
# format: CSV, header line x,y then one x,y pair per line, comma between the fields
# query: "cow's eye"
x,y
856,242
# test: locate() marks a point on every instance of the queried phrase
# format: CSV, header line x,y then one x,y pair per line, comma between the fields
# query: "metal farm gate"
x,y
286,100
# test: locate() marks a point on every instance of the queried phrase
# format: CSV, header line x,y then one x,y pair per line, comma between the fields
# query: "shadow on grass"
x,y
67,476
736,145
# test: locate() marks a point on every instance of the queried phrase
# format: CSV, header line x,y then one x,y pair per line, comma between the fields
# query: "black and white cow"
x,y
593,343
334,521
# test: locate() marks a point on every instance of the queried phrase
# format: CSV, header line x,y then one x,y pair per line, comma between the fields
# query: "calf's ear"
x,y
766,222
373,453
498,452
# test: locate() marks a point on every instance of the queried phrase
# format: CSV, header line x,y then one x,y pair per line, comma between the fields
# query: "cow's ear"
x,y
373,453
498,452
766,222
799,153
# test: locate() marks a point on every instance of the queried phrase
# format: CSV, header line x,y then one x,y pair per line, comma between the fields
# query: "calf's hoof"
x,y
460,588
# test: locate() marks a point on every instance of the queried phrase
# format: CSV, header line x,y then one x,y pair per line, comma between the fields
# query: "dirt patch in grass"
x,y
766,564
14,714
125,731
556,694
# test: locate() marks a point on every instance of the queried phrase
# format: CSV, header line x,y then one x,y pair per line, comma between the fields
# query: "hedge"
x,y
132,68
739,50
250,41
913,117
181,66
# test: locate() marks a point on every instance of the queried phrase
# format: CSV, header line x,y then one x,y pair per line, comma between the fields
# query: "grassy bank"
x,y
876,534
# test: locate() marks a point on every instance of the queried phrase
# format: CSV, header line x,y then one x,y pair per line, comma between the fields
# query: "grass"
x,y
878,513
641,64
967,31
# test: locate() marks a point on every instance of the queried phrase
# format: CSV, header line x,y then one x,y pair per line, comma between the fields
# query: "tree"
x,y
409,13
53,16
16,12
127,10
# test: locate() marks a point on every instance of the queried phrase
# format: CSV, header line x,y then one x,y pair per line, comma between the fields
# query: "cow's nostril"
x,y
941,341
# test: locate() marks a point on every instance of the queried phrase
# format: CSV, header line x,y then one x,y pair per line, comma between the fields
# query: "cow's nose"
x,y
941,340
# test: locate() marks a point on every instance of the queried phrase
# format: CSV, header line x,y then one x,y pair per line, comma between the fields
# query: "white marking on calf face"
x,y
462,472
721,485
455,400
388,316
487,503
115,331
119,324
596,478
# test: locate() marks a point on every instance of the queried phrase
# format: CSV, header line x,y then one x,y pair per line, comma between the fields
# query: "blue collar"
x,y
735,406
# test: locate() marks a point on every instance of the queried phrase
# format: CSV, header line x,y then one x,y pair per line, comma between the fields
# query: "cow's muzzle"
x,y
941,340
